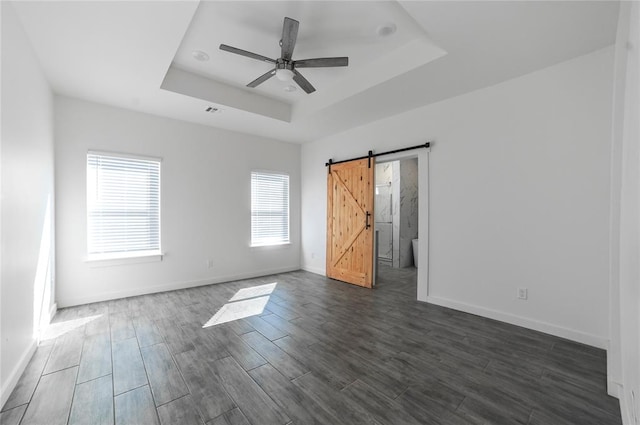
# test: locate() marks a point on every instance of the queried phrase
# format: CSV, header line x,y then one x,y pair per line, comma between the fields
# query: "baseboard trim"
x,y
133,292
548,328
16,373
625,409
615,389
315,270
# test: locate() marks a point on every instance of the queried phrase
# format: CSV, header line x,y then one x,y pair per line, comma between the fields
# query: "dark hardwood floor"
x,y
310,351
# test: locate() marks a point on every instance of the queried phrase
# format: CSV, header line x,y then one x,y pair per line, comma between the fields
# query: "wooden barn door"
x,y
350,199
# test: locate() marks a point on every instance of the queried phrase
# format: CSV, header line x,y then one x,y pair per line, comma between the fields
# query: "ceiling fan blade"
x,y
302,82
289,36
321,62
261,79
245,53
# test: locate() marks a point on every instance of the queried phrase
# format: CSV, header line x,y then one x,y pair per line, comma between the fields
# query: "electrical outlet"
x,y
522,293
210,263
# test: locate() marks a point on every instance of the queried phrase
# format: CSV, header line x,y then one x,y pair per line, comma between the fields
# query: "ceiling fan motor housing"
x,y
284,64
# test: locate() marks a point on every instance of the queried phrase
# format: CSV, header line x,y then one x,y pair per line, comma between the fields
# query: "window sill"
x,y
271,245
121,258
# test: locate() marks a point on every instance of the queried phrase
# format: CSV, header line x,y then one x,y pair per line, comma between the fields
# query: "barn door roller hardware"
x,y
373,155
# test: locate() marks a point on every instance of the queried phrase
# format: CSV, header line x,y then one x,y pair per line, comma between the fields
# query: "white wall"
x,y
518,196
27,188
624,354
205,190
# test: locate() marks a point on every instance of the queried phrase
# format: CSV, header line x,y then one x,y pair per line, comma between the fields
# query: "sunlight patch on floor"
x,y
254,291
55,330
246,302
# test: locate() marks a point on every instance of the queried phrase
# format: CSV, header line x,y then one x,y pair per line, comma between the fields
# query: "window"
x,y
123,206
269,209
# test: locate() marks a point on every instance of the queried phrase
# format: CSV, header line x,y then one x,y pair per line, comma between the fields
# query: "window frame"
x,y
253,244
124,256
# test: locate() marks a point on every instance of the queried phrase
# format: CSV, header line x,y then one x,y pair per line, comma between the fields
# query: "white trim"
x,y
123,254
274,244
52,311
422,278
615,389
124,155
625,409
571,334
316,270
15,374
133,292
266,171
122,258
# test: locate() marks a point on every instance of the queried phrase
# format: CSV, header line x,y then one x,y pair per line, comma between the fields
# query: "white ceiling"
x,y
137,55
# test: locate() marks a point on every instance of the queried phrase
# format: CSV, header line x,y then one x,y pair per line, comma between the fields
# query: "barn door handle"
x,y
366,224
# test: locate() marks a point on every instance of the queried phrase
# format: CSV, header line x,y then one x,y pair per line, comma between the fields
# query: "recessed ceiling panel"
x,y
369,33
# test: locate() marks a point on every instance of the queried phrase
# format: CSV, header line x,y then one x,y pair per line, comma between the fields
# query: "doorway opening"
x,y
396,221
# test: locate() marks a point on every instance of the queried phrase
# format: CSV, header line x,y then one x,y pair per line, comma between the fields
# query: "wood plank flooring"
x,y
316,351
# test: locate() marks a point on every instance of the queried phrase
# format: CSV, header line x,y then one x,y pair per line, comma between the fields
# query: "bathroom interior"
x,y
396,213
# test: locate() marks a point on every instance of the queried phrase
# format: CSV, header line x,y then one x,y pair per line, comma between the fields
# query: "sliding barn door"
x,y
350,198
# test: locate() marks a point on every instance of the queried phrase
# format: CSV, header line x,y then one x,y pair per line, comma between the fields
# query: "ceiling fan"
x,y
285,66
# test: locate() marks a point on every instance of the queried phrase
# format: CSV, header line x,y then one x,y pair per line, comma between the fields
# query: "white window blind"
x,y
269,208
123,204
